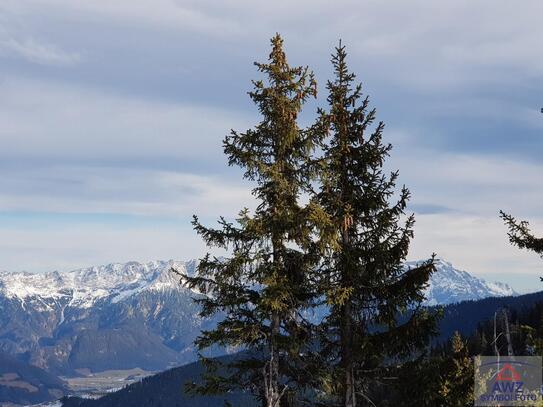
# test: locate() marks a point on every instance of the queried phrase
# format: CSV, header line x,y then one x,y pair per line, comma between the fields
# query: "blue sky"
x,y
112,116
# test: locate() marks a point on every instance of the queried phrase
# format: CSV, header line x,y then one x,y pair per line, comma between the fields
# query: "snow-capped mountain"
x,y
114,282
121,316
82,288
449,285
117,316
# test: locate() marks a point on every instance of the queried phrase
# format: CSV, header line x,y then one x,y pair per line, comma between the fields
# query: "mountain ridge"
x,y
117,316
130,315
136,315
89,285
450,285
117,281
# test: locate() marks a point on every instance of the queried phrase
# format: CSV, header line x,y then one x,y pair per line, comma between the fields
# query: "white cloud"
x,y
474,243
434,59
82,245
50,119
471,184
39,53
127,191
418,43
170,14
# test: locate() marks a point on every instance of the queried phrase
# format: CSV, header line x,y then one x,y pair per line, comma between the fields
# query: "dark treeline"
x,y
465,317
440,377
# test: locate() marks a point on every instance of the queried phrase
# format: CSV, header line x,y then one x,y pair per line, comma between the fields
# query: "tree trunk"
x,y
507,333
349,395
349,398
272,394
495,343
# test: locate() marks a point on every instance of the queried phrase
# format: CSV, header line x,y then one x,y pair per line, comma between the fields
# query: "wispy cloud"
x,y
128,191
171,14
52,119
65,247
476,184
134,127
39,53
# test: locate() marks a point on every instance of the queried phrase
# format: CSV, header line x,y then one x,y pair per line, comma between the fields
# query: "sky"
x,y
112,116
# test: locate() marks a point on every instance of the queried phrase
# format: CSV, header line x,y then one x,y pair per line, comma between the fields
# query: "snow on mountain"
x,y
83,287
449,285
122,316
117,316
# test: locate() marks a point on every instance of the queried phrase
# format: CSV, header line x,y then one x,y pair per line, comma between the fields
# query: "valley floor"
x,y
97,384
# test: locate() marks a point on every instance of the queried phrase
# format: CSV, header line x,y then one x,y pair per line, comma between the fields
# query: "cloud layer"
x,y
112,116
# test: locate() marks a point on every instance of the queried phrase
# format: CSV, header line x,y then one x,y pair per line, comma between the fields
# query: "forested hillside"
x,y
472,319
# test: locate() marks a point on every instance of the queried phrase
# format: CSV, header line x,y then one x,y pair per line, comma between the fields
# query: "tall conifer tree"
x,y
263,288
365,283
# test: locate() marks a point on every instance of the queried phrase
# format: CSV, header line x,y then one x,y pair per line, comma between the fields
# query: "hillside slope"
x,y
166,388
119,316
24,384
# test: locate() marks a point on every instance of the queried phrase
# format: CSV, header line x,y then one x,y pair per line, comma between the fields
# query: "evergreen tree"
x,y
448,378
413,393
263,287
366,285
520,234
457,376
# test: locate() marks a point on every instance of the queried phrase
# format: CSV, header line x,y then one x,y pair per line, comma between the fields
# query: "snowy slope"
x,y
449,285
84,287
117,316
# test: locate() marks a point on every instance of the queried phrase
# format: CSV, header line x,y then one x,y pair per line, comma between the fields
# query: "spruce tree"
x,y
447,378
263,288
375,314
456,375
520,234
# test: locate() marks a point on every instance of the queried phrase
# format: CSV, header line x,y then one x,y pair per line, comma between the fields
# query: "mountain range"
x,y
118,316
122,316
134,315
449,285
